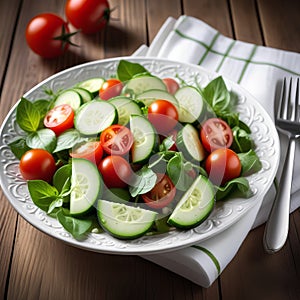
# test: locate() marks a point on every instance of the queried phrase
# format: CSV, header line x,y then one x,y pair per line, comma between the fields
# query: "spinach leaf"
x,y
250,162
43,139
145,180
77,227
19,147
126,70
27,116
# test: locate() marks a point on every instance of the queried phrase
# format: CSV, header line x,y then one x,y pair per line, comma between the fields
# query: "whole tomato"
x,y
37,164
48,35
90,16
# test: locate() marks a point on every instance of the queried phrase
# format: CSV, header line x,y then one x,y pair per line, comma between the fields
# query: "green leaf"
x,y
43,139
27,116
19,147
144,182
56,203
42,193
250,162
77,227
61,176
126,70
242,141
68,139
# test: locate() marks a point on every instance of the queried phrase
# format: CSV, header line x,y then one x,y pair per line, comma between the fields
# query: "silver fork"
x,y
288,122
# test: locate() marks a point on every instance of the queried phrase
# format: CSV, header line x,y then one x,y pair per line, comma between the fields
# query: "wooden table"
x,y
36,266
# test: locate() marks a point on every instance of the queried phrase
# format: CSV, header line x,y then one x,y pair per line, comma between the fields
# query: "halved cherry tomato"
x,y
171,84
223,165
91,150
60,118
116,139
116,171
37,164
215,133
162,193
163,115
110,88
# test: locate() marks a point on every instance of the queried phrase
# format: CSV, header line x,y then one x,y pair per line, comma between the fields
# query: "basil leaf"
x,y
62,177
144,182
77,227
68,139
42,139
58,202
126,70
250,162
42,193
27,116
242,141
19,147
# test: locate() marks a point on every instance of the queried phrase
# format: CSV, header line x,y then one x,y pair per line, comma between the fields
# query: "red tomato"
x,y
116,171
48,35
91,151
110,88
215,134
223,165
90,16
116,140
163,115
60,118
171,84
37,164
162,194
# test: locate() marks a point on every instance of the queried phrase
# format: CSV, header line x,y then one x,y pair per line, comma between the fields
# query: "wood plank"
x,y
280,23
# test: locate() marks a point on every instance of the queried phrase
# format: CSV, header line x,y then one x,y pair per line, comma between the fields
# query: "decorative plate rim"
x,y
224,215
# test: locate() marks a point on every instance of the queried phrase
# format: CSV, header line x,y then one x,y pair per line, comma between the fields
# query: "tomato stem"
x,y
65,37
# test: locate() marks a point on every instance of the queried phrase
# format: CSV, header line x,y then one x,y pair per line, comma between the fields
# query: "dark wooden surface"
x,y
36,266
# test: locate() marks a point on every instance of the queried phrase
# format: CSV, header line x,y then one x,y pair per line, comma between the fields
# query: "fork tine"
x,y
289,103
297,110
282,111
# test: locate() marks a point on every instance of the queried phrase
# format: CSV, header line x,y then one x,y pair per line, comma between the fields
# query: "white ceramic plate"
x,y
225,213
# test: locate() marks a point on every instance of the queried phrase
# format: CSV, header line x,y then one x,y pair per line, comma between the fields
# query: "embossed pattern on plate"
x,y
225,213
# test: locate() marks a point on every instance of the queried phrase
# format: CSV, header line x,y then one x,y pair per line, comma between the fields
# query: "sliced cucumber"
x,y
195,205
149,96
85,94
145,138
124,221
94,116
189,144
191,105
86,186
138,85
70,97
93,85
125,107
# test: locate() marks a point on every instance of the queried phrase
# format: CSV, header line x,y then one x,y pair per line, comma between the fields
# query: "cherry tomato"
x,y
48,35
163,115
162,194
223,165
37,164
91,151
116,171
90,16
171,84
116,139
215,133
110,88
60,118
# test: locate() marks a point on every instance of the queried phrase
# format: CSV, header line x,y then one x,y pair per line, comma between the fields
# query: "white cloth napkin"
x,y
256,68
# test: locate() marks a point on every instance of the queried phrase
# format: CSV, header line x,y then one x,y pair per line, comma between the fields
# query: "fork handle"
x,y
276,230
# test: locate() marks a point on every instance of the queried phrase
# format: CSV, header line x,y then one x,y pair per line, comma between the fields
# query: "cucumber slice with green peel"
x,y
86,186
150,96
138,85
191,105
94,116
195,206
125,107
144,138
188,142
124,221
70,97
85,94
93,85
